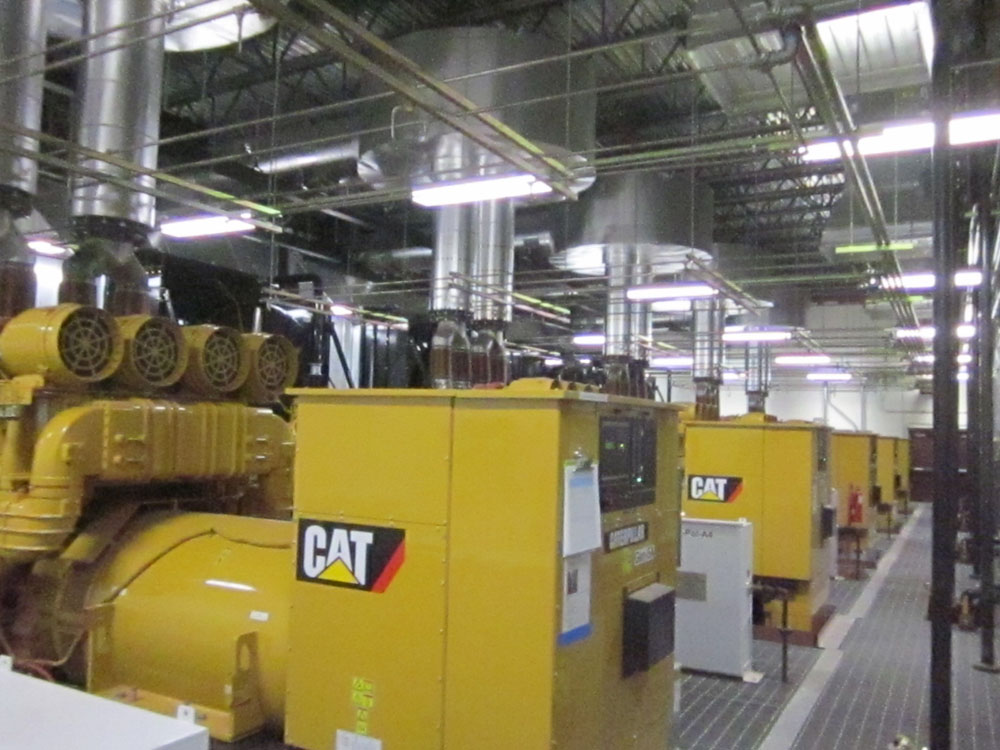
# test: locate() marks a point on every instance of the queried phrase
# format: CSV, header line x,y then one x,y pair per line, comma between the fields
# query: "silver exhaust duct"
x,y
22,50
492,276
708,325
758,363
119,114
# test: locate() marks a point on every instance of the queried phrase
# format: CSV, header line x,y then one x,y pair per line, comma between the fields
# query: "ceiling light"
x,y
964,359
965,130
898,139
670,291
733,376
924,359
925,333
923,280
671,363
829,377
749,335
584,361
475,191
44,247
962,376
206,226
671,305
871,247
965,331
589,339
552,362
802,359
341,311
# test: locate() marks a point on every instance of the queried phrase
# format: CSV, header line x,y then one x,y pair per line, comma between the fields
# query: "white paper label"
x,y
576,593
645,554
256,614
581,509
351,741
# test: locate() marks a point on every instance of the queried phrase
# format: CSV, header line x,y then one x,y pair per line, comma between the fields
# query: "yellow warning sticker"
x,y
363,701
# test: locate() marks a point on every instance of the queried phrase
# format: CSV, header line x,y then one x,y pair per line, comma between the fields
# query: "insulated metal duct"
x,y
452,262
709,323
492,237
22,50
120,109
758,364
119,114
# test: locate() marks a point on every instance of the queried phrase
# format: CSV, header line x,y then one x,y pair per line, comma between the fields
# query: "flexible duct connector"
x,y
133,442
120,107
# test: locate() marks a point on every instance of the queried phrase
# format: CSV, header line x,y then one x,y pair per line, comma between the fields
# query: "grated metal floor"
x,y
880,688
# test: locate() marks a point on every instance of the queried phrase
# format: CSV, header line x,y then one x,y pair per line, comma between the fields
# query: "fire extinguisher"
x,y
855,507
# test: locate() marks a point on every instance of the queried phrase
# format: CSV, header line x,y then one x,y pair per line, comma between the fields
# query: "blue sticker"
x,y
574,635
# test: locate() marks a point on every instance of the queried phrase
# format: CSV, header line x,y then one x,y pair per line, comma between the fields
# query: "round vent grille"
x,y
87,343
273,365
221,361
156,351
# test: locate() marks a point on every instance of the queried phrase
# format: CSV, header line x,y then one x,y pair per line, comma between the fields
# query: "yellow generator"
x,y
903,475
776,476
482,569
886,483
465,569
853,464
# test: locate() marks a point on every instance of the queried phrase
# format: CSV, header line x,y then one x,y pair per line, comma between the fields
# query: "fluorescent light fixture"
x,y
44,247
670,291
924,359
206,226
475,191
962,376
671,305
924,333
829,377
802,359
748,335
341,311
871,247
671,363
586,361
964,359
924,280
589,339
965,130
552,362
965,331
730,376
969,277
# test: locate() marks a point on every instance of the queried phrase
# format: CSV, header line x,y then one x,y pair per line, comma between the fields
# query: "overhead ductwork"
x,y
709,321
633,228
22,50
758,384
119,114
472,277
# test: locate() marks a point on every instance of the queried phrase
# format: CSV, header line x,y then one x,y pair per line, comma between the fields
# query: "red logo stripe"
x,y
389,571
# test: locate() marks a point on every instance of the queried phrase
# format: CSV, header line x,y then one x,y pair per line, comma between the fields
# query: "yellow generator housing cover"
x,y
482,569
852,462
776,476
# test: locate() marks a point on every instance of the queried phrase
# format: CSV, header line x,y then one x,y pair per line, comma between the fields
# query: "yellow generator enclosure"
x,y
885,480
852,471
903,473
482,569
776,476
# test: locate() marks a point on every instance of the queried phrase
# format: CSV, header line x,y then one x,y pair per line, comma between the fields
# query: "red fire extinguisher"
x,y
855,507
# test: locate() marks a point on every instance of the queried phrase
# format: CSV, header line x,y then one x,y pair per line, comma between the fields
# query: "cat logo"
x,y
714,489
342,554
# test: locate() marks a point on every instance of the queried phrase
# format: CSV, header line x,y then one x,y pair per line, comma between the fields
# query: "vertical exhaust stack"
x,y
119,113
22,48
618,334
450,356
758,377
492,235
642,335
709,322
